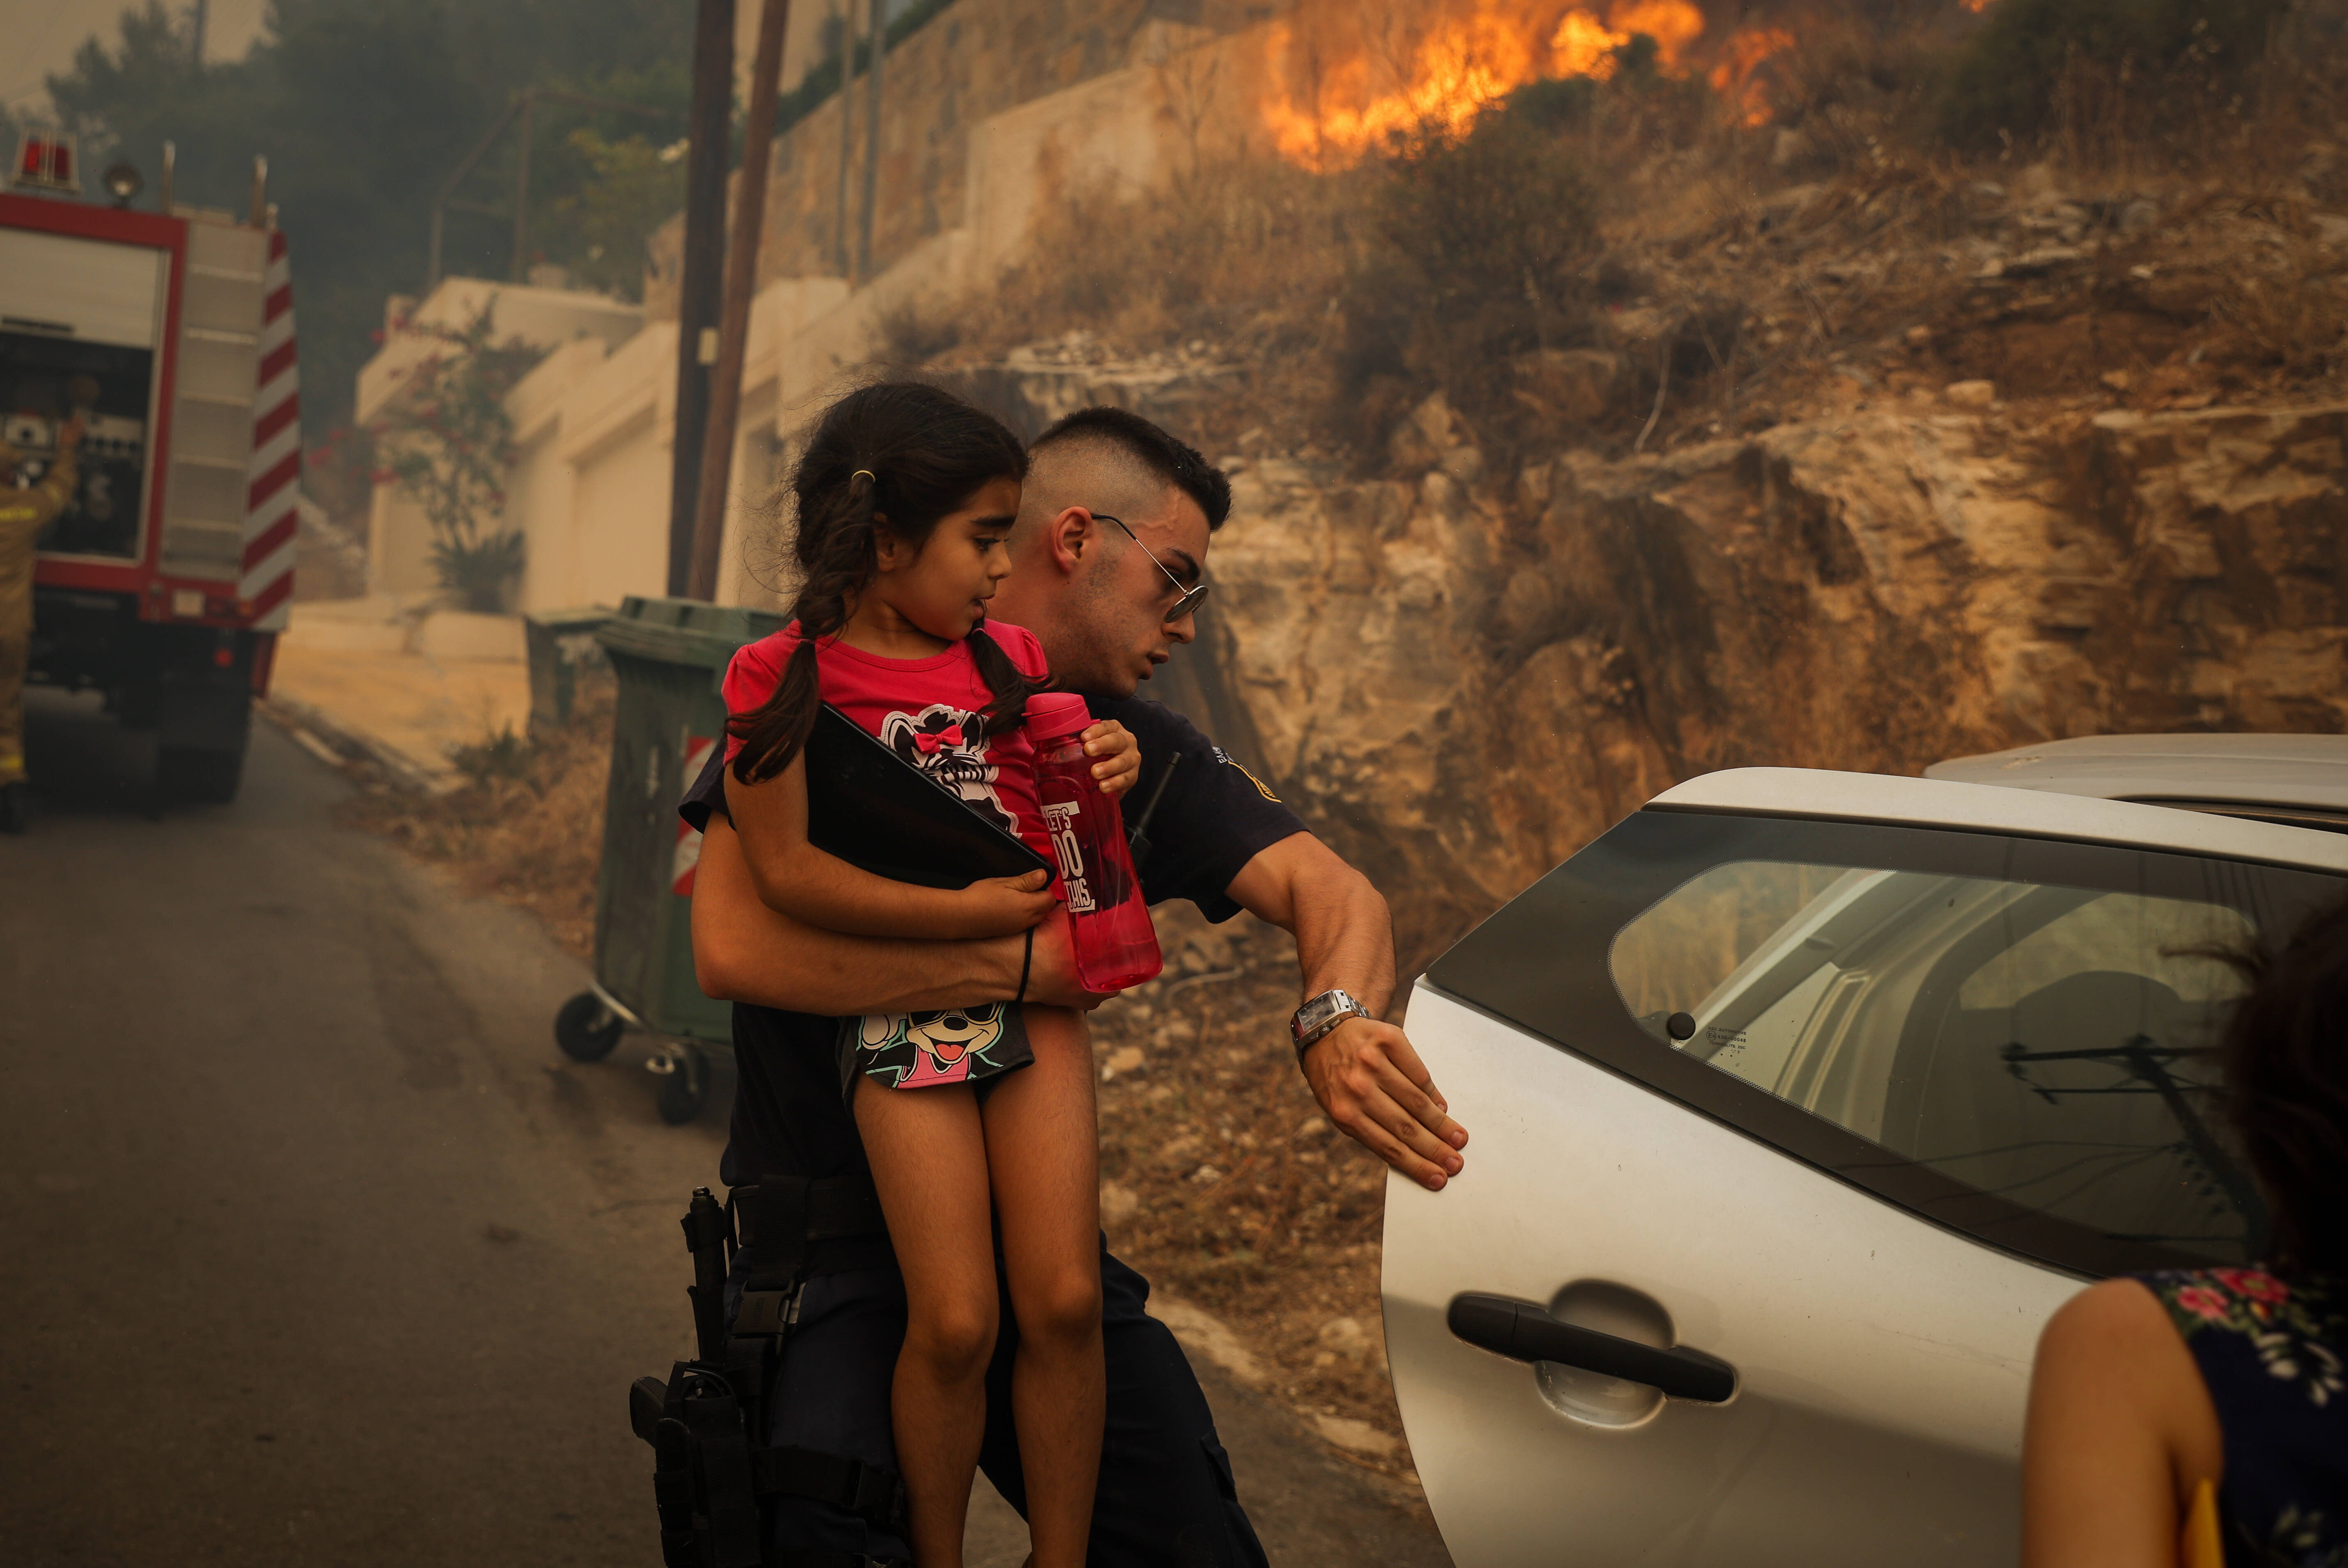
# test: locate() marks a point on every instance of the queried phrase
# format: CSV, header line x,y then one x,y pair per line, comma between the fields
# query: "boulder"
x,y
1428,434
1573,385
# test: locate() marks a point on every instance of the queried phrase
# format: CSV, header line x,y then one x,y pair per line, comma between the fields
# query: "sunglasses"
x,y
1187,599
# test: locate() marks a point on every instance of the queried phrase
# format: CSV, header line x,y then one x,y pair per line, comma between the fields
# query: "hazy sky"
x,y
41,35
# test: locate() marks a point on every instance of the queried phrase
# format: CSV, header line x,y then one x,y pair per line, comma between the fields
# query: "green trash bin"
x,y
670,658
561,642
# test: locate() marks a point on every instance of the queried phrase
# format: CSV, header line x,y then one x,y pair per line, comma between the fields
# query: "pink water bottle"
x,y
1116,946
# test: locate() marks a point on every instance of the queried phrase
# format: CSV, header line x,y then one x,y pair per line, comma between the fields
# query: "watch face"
x,y
1323,1011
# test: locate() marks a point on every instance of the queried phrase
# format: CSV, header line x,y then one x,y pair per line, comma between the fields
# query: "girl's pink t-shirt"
x,y
926,710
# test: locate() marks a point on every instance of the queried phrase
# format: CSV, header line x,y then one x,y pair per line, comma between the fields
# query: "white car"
x,y
1799,1101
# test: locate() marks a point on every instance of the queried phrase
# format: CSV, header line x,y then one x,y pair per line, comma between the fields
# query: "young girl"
x,y
906,497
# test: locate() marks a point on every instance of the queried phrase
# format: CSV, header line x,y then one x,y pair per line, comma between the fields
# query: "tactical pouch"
x,y
712,1468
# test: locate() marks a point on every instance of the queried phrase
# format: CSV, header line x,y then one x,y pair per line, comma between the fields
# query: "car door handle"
x,y
1523,1333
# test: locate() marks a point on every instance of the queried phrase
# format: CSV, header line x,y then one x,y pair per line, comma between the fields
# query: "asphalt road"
x,y
316,1250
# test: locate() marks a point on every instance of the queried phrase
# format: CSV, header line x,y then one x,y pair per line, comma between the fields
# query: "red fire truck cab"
x,y
171,334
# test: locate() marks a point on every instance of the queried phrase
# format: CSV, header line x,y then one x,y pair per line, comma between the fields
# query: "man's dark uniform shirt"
x,y
1166,1494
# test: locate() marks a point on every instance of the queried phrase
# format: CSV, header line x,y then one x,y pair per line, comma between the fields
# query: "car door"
x,y
1808,1097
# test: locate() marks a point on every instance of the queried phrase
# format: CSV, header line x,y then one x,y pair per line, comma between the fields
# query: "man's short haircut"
x,y
1174,461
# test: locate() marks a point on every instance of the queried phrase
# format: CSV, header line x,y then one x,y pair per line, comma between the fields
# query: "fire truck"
x,y
169,334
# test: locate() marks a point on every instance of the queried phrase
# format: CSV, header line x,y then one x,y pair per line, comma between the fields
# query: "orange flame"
x,y
1464,65
1674,25
1584,46
1735,77
1457,70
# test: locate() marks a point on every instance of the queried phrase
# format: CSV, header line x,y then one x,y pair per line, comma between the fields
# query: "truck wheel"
x,y
586,1029
685,1090
203,777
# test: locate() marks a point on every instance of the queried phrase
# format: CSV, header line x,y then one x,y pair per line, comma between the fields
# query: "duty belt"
x,y
707,1424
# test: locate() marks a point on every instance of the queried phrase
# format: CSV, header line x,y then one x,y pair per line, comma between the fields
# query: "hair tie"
x,y
865,474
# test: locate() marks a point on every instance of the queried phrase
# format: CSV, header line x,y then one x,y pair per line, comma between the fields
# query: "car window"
x,y
2009,1036
2052,1045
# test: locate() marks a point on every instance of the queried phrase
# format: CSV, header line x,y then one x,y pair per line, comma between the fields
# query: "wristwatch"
x,y
1319,1014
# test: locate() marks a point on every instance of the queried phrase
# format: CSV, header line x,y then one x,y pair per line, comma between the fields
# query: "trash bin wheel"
x,y
685,1089
586,1029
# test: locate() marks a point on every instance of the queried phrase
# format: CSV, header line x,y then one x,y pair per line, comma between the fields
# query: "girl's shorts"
x,y
920,1050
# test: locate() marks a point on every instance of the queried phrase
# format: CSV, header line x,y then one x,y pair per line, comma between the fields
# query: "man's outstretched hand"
x,y
1374,1087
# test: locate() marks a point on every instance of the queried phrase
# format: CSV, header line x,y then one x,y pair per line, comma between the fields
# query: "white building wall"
x,y
620,523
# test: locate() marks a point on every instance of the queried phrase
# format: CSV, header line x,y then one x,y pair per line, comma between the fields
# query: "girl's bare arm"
x,y
793,878
2120,1432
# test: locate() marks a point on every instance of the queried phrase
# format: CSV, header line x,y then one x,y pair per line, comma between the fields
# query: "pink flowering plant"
x,y
448,440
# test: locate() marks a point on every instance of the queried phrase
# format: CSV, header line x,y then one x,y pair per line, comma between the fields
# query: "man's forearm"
x,y
744,951
1363,1071
809,970
1345,933
1344,940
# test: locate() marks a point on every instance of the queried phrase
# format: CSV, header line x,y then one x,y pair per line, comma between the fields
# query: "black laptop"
x,y
873,809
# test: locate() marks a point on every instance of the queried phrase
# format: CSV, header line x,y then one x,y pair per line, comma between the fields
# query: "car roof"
x,y
1820,794
2305,774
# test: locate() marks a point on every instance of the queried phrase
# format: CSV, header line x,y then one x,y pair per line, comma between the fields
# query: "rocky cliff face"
x,y
1461,677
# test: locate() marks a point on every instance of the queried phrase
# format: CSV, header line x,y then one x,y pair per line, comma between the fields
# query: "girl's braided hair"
x,y
904,454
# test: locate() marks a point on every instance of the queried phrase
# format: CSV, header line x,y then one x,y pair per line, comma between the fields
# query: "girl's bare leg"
x,y
1042,1152
928,1153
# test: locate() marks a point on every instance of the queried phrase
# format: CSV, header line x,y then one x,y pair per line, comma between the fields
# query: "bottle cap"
x,y
1053,713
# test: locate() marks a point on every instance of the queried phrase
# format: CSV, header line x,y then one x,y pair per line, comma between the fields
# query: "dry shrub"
x,y
527,826
2100,75
1244,258
1480,248
1853,88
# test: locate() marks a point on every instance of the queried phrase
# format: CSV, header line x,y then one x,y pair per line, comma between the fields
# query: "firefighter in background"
x,y
22,515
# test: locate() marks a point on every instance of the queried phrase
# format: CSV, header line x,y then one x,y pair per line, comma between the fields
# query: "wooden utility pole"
x,y
521,189
841,254
741,283
872,134
701,276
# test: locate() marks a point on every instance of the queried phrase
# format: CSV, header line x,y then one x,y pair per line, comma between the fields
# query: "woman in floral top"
x,y
2147,1388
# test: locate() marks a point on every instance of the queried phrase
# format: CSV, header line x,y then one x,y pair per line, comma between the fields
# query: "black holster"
x,y
713,1471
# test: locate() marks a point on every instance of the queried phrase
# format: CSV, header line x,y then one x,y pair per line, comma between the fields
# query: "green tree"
x,y
363,110
446,439
600,227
